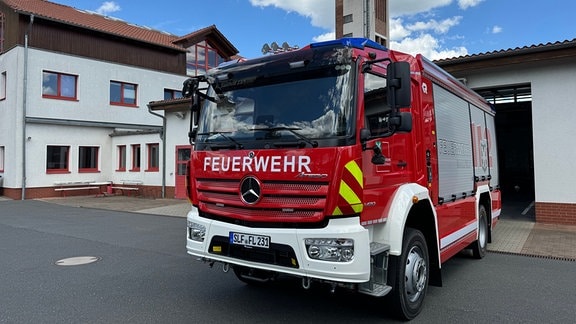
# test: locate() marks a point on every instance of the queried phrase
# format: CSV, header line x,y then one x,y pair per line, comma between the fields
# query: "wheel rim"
x,y
416,271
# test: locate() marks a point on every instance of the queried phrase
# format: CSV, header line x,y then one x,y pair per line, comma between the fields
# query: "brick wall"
x,y
556,213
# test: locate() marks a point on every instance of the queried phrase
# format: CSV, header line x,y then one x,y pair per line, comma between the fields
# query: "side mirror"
x,y
364,137
190,90
398,80
402,121
365,134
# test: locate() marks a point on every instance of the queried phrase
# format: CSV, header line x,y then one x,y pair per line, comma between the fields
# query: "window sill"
x,y
123,104
60,98
88,171
62,171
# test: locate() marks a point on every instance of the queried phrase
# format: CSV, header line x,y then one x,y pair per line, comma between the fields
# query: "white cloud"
x,y
428,46
414,28
439,27
325,37
465,4
321,13
108,7
496,30
397,29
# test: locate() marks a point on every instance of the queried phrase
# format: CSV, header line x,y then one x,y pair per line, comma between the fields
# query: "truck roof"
x,y
434,72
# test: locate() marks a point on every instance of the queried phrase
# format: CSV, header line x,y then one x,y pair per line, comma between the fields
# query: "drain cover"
x,y
77,261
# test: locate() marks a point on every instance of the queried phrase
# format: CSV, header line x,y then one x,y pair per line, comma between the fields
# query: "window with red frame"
x,y
59,85
172,94
57,159
3,85
1,158
122,93
121,158
88,159
135,157
200,58
153,157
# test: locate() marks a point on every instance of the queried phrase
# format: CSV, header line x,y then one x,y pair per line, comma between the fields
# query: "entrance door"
x,y
182,158
515,148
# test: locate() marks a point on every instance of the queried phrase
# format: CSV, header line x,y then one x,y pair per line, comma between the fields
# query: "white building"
x,y
531,89
75,88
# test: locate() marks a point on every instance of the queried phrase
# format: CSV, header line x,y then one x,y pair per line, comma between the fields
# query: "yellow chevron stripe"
x,y
356,172
337,211
348,194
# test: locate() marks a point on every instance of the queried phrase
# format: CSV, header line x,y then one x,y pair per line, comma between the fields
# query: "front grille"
x,y
290,202
277,254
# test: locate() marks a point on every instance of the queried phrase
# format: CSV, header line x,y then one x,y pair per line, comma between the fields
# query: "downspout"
x,y
24,106
163,149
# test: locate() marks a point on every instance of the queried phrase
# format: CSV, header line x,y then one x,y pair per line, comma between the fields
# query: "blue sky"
x,y
436,28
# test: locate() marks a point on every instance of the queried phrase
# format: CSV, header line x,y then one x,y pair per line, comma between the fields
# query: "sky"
x,y
438,29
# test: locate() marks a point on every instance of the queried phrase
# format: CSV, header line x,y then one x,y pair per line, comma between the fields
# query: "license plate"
x,y
260,241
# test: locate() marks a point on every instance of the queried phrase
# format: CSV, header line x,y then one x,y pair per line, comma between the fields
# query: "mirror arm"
x,y
368,64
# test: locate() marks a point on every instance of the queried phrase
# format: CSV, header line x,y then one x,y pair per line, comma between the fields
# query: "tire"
x,y
409,274
480,245
254,276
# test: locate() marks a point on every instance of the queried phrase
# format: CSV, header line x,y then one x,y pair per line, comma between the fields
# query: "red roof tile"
x,y
91,20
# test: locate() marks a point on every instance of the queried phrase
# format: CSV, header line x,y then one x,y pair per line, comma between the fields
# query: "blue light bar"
x,y
351,42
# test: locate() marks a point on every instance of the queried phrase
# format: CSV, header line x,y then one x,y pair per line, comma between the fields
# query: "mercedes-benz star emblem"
x,y
250,190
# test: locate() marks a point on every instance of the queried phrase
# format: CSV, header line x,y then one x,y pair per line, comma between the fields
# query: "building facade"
x,y
75,88
531,89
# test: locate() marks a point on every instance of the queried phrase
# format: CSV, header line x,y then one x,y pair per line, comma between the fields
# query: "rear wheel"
x,y
409,274
479,247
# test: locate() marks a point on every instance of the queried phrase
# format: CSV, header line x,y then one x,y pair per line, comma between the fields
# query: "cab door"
x,y
385,162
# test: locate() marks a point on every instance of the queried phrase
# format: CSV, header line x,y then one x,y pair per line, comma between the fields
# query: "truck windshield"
x,y
306,108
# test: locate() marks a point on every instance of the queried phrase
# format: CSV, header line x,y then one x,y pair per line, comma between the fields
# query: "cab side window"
x,y
376,109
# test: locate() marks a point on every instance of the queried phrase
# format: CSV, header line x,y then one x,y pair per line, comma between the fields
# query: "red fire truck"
x,y
342,163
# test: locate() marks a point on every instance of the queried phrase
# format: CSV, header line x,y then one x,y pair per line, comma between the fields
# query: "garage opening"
x,y
513,106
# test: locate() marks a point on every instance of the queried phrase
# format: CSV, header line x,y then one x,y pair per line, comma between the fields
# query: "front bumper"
x,y
287,253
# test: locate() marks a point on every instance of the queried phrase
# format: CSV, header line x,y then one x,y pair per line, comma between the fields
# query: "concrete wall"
x,y
356,8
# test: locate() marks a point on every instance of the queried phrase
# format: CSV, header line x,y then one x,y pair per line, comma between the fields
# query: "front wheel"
x,y
409,274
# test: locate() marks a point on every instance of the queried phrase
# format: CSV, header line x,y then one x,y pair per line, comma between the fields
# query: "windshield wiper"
x,y
233,144
291,130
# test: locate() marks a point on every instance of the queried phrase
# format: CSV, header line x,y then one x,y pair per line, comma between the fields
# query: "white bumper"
x,y
355,271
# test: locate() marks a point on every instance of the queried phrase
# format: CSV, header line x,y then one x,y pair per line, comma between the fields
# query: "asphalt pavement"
x,y
79,264
515,233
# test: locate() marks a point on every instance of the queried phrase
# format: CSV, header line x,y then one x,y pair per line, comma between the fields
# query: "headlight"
x,y
196,232
330,249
